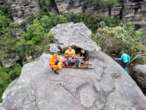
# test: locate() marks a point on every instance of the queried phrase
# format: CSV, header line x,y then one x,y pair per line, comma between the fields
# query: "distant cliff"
x,y
129,10
20,9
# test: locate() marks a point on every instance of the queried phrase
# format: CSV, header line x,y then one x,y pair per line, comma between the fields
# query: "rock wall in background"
x,y
20,9
134,10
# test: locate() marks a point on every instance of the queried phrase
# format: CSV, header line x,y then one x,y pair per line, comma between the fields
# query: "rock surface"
x,y
19,9
106,87
78,35
10,61
54,48
139,73
134,10
2,108
74,6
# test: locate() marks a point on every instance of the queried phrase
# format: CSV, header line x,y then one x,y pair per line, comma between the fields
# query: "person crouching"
x,y
55,62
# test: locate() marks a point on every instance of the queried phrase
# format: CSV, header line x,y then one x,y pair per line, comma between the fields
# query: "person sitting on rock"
x,y
70,53
55,62
70,58
85,55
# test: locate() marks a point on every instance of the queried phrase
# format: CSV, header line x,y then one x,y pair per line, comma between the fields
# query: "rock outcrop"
x,y
74,6
20,9
139,74
132,10
1,3
1,108
77,35
106,87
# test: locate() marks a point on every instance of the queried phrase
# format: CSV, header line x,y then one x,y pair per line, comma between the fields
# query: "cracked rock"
x,y
139,74
87,96
20,9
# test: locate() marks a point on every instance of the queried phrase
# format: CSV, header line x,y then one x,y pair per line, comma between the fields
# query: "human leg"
x,y
77,62
57,67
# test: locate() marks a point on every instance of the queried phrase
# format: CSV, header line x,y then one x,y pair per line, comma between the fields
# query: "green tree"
x,y
50,20
15,71
4,23
7,75
4,80
115,39
35,32
7,45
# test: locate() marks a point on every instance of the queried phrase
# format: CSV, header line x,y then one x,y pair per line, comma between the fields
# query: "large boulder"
x,y
1,108
139,74
78,35
20,9
106,87
134,10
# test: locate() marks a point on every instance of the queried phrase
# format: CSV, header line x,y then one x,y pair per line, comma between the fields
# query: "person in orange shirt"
x,y
69,53
70,58
55,62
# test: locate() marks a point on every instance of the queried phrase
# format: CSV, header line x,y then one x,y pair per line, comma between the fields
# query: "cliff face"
x,y
20,9
105,87
129,10
75,6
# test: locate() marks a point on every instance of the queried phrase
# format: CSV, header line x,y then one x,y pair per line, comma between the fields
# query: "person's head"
x,y
55,55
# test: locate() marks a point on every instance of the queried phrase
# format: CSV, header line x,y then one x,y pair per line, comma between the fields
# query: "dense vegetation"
x,y
117,38
7,75
31,38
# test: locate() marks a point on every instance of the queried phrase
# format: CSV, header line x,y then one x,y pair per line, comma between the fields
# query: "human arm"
x,y
73,53
118,59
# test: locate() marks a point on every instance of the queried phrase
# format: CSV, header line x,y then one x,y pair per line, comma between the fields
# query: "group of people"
x,y
69,59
